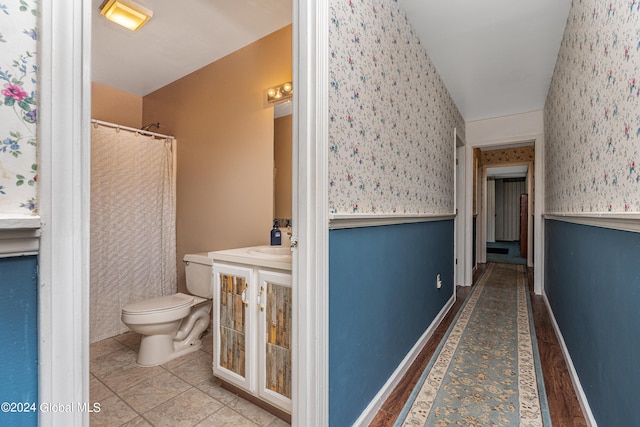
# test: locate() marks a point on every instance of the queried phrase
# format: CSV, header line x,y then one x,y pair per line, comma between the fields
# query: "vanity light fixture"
x,y
127,13
280,93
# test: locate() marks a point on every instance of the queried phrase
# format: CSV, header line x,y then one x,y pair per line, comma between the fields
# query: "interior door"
x,y
491,210
524,224
460,210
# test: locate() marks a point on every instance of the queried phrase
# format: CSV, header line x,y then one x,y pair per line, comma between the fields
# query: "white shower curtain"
x,y
133,236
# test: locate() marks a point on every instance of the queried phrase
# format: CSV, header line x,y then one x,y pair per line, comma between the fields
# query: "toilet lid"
x,y
158,304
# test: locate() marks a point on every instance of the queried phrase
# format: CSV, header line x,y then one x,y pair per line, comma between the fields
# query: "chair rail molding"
x,y
19,235
337,221
615,221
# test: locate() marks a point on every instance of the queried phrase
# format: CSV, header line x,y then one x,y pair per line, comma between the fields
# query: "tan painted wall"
x,y
115,106
283,137
225,146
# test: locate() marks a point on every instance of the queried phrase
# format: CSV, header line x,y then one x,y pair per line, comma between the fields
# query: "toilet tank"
x,y
197,268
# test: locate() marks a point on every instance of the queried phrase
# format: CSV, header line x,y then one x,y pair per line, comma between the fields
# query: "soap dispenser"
x,y
276,234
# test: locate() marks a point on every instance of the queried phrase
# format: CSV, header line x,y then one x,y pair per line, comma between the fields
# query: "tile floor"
x,y
182,392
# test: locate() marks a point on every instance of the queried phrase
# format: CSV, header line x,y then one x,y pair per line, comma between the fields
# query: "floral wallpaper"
x,y
391,117
507,155
592,112
18,167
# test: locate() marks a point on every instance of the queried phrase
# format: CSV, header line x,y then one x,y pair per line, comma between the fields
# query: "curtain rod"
x,y
140,131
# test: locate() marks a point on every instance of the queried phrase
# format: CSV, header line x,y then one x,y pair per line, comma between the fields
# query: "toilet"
x,y
171,325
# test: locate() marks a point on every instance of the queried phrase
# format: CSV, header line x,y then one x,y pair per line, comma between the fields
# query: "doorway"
x,y
507,214
65,45
505,174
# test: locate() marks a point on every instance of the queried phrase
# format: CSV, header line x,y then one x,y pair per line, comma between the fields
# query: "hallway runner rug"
x,y
486,371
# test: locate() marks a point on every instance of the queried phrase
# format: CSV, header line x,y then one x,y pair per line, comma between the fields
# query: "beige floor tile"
x,y
279,423
103,347
253,412
151,392
182,392
130,339
180,360
186,409
207,343
113,412
227,417
195,371
98,391
104,364
128,376
213,388
137,422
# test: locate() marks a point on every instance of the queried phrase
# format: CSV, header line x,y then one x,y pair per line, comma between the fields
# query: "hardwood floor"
x,y
563,403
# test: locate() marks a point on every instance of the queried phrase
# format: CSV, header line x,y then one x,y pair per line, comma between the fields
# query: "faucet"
x,y
289,232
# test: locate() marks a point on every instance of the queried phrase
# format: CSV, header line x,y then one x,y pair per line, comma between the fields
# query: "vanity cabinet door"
x,y
233,294
274,305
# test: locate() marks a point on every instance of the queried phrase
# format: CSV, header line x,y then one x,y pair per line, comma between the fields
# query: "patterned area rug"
x,y
486,372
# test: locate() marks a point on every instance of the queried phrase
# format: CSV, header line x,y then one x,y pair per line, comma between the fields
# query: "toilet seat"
x,y
159,304
166,308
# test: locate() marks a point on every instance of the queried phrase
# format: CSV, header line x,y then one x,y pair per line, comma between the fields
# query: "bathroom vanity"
x,y
252,307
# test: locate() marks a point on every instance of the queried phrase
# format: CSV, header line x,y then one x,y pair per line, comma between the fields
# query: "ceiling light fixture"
x,y
127,13
280,93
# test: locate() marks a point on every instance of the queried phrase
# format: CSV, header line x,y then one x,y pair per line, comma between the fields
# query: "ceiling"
x,y
181,37
496,57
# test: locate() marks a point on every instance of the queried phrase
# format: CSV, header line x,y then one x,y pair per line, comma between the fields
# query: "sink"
x,y
271,250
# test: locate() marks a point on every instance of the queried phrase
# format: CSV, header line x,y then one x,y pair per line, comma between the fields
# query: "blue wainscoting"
x,y
19,339
382,298
592,281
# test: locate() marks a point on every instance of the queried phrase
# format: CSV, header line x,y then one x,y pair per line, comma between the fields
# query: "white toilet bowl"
x,y
172,325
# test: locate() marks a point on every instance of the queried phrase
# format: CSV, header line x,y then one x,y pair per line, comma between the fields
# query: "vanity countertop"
x,y
278,257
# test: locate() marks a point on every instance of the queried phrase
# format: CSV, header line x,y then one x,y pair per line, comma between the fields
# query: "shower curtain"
x,y
133,235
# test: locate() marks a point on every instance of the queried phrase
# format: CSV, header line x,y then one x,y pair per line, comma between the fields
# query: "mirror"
x,y
282,159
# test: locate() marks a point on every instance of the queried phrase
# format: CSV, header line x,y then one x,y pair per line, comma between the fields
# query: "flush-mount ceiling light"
x,y
127,13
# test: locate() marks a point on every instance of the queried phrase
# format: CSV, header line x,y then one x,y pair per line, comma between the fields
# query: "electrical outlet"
x,y
438,282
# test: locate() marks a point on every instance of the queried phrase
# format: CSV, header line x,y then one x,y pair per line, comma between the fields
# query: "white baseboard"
x,y
374,406
582,398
